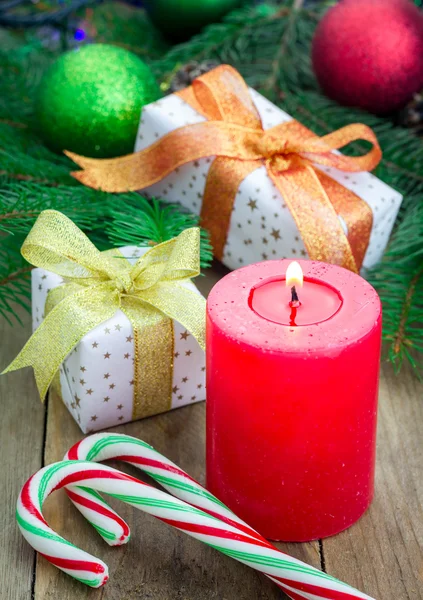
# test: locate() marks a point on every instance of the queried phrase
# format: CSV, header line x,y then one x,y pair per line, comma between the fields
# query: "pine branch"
x,y
273,78
29,178
399,280
131,30
13,124
224,41
145,222
19,19
22,63
24,167
21,203
109,220
14,278
401,342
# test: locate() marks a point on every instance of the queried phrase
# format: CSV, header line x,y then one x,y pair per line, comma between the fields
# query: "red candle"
x,y
292,397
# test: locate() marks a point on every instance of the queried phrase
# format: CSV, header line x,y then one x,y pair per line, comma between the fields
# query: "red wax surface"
x,y
291,409
317,302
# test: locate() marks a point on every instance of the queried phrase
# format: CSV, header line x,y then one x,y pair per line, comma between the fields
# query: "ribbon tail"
x,y
319,149
315,216
61,330
355,211
182,304
180,146
223,181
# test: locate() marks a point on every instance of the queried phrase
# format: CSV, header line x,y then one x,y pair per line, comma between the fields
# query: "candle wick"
x,y
294,295
293,315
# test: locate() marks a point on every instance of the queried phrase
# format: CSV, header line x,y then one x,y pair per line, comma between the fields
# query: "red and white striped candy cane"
x,y
106,446
213,524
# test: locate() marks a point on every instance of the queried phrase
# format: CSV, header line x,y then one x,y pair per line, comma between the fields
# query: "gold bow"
x,y
100,283
235,135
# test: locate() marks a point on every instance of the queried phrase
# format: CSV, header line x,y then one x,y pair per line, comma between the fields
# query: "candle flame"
x,y
294,275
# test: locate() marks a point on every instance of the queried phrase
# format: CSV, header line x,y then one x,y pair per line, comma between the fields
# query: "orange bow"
x,y
235,135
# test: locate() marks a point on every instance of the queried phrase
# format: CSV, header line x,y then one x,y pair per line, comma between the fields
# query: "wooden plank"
x,y
21,435
383,553
211,276
159,562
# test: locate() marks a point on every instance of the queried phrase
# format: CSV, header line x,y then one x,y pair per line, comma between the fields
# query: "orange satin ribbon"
x,y
235,135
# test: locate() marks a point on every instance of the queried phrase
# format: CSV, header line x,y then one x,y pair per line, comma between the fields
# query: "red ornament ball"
x,y
369,53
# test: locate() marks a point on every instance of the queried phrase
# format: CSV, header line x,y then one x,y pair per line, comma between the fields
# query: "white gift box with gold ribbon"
x,y
97,377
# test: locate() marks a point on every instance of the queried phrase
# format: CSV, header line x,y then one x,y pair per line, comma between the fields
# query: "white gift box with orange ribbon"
x,y
261,226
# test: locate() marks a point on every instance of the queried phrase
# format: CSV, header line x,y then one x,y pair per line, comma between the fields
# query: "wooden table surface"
x,y
382,554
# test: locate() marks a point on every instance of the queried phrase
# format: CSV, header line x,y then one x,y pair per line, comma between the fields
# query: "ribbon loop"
x,y
174,260
98,284
223,95
55,243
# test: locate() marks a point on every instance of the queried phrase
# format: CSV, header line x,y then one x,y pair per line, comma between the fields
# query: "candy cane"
x,y
106,446
228,534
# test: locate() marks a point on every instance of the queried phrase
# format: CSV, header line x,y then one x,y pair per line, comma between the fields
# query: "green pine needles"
x,y
270,45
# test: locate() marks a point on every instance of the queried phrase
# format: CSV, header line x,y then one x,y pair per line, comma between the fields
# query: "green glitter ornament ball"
x,y
89,101
180,19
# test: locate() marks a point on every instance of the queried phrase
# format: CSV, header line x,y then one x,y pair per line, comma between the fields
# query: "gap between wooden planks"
x,y
382,554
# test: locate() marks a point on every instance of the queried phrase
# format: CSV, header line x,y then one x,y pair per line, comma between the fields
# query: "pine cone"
x,y
186,74
411,115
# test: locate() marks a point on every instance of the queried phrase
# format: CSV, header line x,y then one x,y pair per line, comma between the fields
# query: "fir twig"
x,y
14,279
223,41
21,203
18,274
145,222
272,79
399,280
110,220
13,124
400,339
127,27
22,177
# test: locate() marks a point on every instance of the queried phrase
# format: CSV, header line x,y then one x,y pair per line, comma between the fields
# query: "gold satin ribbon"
x,y
235,135
100,283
